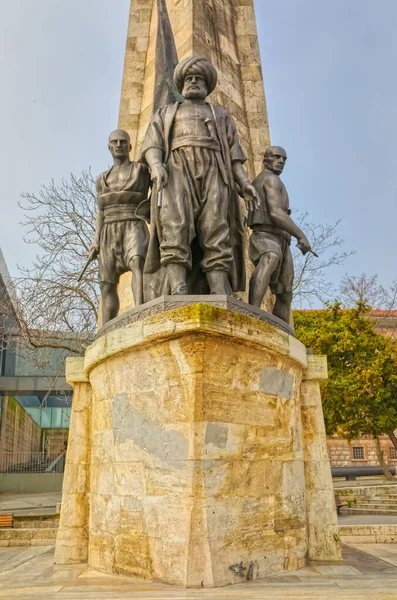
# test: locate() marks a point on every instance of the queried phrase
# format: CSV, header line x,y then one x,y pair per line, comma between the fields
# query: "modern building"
x,y
35,400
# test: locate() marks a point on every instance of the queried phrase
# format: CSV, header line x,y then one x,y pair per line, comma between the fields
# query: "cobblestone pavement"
x,y
369,571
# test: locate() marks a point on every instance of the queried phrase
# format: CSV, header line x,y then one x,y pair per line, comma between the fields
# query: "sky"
x,y
331,86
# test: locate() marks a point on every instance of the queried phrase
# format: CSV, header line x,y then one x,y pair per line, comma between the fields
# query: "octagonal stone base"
x,y
195,453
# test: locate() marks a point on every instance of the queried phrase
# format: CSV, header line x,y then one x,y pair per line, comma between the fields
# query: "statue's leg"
x,y
135,245
284,286
110,301
219,283
176,222
136,267
261,276
282,308
213,228
176,274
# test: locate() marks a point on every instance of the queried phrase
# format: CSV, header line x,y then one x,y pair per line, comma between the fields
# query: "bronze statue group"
x,y
192,166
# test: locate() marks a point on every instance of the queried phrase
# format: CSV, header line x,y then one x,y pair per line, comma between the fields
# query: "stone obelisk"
x,y
224,31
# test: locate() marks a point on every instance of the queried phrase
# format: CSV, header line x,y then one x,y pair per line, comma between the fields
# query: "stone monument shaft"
x,y
223,31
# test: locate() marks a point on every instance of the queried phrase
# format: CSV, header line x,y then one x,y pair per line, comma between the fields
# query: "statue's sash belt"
x,y
195,140
120,206
267,228
202,142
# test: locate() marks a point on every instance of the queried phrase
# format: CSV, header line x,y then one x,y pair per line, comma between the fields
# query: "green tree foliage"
x,y
360,396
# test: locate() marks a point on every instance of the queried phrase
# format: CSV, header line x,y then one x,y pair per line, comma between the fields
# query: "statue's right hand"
x,y
304,245
93,252
159,175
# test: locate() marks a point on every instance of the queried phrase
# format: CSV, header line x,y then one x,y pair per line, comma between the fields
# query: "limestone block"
x,y
386,539
101,554
384,529
317,368
129,479
132,555
75,510
75,370
324,541
76,478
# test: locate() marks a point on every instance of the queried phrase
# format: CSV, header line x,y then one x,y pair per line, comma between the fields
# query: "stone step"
x,y
367,511
391,496
28,537
379,500
375,505
36,521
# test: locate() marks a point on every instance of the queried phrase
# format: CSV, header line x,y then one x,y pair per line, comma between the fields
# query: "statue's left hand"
x,y
250,196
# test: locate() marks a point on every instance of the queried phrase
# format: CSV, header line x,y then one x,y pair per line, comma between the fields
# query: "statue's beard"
x,y
195,95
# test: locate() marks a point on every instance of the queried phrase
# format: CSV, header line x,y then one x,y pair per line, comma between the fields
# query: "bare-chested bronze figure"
x,y
272,228
121,237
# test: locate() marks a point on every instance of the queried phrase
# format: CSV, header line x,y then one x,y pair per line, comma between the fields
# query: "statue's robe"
x,y
159,135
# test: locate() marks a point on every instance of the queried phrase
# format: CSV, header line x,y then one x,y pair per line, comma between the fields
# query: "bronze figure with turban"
x,y
195,158
198,66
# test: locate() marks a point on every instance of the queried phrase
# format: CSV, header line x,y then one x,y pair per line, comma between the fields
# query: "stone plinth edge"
x,y
317,368
167,303
75,370
188,318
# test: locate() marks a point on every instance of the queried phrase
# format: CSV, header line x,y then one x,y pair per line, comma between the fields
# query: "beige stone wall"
x,y
19,433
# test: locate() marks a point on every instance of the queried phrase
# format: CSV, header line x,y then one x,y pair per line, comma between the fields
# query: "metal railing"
x,y
32,462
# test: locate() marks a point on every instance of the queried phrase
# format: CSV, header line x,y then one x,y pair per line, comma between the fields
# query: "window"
x,y
358,453
392,453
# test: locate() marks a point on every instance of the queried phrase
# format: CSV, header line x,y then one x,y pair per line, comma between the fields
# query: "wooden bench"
x,y
339,504
7,520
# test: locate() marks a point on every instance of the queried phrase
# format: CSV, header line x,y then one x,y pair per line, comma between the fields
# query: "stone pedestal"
x,y
205,468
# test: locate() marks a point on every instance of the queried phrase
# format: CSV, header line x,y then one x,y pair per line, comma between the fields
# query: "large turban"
x,y
195,65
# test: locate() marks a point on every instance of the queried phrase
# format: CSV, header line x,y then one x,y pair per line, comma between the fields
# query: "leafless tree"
x,y
311,284
367,290
51,308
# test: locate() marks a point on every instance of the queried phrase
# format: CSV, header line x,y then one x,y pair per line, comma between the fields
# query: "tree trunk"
x,y
393,439
381,460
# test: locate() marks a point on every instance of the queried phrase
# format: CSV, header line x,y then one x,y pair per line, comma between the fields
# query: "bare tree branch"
x,y
51,309
366,289
310,283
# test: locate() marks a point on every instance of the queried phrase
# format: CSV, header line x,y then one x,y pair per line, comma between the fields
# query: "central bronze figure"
x,y
196,163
